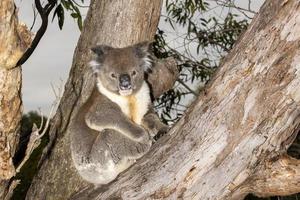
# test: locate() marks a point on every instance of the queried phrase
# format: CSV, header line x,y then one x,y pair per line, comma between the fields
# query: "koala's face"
x,y
121,70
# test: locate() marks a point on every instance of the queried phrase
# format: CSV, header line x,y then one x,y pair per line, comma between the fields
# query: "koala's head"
x,y
121,70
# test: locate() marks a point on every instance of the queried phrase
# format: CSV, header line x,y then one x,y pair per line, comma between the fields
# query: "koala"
x,y
115,126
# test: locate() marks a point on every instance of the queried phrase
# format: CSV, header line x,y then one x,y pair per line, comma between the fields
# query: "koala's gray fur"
x,y
114,126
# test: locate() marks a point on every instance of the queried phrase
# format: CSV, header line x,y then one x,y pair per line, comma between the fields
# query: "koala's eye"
x,y
113,75
133,73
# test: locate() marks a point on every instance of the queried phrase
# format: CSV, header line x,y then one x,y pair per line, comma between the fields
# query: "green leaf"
x,y
61,16
66,4
74,15
60,13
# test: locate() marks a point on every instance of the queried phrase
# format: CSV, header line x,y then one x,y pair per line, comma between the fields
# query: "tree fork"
x,y
238,126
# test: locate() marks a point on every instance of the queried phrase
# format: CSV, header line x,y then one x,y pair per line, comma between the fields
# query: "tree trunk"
x,y
14,39
231,140
116,23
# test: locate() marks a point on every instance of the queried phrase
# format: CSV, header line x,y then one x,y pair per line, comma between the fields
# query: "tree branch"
x,y
39,7
44,14
278,178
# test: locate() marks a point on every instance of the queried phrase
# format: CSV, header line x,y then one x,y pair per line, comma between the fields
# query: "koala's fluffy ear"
x,y
143,51
100,51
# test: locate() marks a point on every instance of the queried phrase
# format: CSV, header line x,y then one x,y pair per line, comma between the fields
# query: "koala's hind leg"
x,y
113,146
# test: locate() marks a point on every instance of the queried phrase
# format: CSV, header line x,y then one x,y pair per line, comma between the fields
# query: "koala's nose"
x,y
125,82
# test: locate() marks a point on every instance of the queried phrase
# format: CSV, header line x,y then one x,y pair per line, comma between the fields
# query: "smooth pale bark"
x,y
14,39
247,116
116,23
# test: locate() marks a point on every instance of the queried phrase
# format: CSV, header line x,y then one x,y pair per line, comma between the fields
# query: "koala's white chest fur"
x,y
135,106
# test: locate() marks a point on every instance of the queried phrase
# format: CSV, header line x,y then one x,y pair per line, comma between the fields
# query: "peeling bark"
x,y
14,39
10,115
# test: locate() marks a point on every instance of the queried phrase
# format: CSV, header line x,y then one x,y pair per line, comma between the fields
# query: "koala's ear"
x,y
100,51
143,51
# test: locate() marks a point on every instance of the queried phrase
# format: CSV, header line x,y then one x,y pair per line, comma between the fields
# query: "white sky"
x,y
52,59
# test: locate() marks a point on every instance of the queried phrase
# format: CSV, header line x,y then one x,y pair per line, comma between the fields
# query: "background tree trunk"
x,y
232,139
14,39
117,23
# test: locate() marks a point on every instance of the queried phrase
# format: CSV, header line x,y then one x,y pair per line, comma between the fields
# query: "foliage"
x,y
71,6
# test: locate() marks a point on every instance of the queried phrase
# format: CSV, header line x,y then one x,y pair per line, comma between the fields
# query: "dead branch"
x,y
13,185
37,133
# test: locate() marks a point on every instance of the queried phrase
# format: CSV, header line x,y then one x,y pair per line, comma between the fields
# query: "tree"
x,y
14,39
17,44
230,139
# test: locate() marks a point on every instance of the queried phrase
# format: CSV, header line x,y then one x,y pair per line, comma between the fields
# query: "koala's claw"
x,y
161,132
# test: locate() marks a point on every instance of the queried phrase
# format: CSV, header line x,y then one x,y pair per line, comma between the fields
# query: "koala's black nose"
x,y
125,82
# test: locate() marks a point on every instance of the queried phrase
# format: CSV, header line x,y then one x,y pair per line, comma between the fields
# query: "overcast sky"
x,y
52,59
